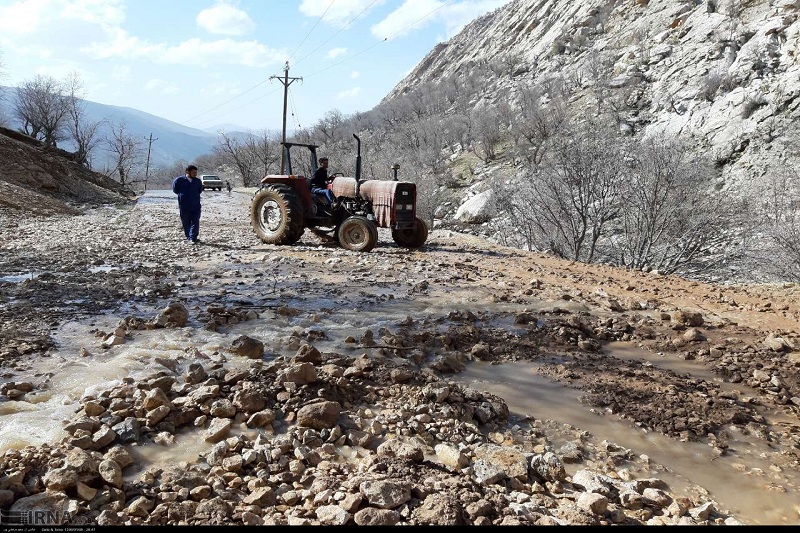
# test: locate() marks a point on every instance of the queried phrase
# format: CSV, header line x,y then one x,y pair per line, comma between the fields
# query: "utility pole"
x,y
147,166
286,81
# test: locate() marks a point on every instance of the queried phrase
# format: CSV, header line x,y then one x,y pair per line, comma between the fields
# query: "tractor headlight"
x,y
410,207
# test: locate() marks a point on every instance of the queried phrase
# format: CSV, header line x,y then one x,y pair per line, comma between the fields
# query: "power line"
x,y
261,83
338,32
312,29
385,39
227,101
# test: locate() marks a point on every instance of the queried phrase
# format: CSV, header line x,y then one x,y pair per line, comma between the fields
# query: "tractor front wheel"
x,y
276,215
357,234
411,238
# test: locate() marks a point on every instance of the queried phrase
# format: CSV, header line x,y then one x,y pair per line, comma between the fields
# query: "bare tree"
x,y
127,153
671,221
489,132
81,131
537,123
455,130
330,126
42,107
4,119
567,204
780,208
244,160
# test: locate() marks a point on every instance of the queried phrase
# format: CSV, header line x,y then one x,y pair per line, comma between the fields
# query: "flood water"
x,y
65,377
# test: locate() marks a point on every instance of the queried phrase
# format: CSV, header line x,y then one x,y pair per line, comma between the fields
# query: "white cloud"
x,y
338,12
413,14
22,17
194,51
355,74
122,73
416,14
225,19
30,16
457,16
335,52
161,86
100,12
348,94
39,31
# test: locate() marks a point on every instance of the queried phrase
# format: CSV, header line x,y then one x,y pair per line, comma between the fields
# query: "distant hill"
x,y
174,142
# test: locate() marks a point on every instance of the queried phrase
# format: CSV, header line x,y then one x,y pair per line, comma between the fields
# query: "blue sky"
x,y
206,64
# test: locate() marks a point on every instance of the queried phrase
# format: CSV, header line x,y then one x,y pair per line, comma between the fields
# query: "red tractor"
x,y
283,207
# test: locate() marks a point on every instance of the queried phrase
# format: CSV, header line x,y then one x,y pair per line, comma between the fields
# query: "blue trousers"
x,y
190,218
327,192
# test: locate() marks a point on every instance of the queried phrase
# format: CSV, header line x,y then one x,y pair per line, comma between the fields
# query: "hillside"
x,y
35,181
172,142
722,75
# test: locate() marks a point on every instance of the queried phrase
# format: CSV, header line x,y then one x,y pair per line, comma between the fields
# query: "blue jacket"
x,y
188,191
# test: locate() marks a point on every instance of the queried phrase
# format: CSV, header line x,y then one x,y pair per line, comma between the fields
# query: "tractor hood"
x,y
380,193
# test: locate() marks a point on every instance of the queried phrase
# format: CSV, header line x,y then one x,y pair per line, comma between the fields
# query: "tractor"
x,y
283,207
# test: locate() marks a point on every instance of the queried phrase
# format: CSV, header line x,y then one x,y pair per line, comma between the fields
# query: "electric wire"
x,y
312,29
338,32
385,39
345,60
262,82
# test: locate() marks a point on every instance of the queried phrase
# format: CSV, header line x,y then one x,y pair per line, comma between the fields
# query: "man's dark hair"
x,y
191,167
321,159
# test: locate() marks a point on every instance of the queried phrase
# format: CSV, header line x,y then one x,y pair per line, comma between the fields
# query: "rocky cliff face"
x,y
721,74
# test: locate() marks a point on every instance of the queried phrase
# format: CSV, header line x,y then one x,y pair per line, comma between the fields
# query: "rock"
x,y
248,347
175,315
409,451
688,318
320,415
385,494
332,515
111,472
218,429
370,516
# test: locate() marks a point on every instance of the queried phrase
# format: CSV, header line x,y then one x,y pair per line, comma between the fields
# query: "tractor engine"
x,y
393,202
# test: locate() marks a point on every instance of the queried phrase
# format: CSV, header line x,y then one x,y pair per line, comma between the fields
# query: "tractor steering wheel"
x,y
336,174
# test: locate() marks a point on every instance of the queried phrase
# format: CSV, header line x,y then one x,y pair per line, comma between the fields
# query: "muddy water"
x,y
64,378
70,377
744,493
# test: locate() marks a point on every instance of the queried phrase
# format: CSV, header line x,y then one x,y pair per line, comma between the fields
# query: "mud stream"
x,y
292,306
70,377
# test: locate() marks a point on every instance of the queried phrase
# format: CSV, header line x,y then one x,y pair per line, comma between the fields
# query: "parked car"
x,y
211,181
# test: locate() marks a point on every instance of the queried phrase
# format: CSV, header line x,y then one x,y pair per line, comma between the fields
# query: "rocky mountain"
x,y
721,74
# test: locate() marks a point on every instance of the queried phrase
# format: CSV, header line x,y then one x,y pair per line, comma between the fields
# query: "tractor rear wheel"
x,y
357,234
411,238
276,215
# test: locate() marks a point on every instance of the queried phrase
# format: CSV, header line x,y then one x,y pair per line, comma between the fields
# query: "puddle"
x,y
157,196
61,380
744,493
103,268
19,278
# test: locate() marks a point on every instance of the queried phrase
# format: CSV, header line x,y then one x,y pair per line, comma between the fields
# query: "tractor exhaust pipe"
x,y
358,165
358,158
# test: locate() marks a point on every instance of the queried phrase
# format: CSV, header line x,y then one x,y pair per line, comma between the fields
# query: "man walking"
x,y
188,188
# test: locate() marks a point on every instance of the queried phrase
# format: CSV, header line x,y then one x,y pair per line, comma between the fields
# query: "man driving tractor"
x,y
319,182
